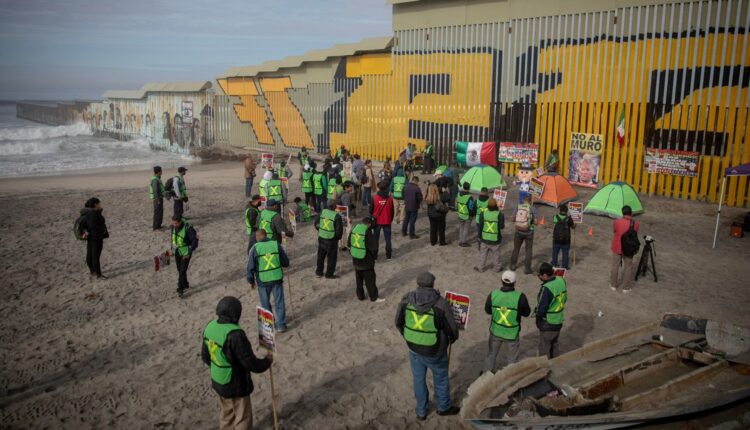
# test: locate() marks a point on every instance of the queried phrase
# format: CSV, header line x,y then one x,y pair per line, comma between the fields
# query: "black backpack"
x,y
169,188
561,232
629,241
79,227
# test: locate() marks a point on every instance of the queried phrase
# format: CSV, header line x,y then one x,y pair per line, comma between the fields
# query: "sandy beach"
x,y
125,352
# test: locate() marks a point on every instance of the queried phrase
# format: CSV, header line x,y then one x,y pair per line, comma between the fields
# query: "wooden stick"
x,y
273,400
574,246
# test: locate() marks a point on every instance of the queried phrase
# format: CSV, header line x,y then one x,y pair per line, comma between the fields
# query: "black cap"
x,y
546,269
182,169
157,169
255,197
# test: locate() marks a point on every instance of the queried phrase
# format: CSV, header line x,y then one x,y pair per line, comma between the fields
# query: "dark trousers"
x,y
327,250
437,230
548,344
182,264
249,187
158,213
321,202
410,219
556,248
310,200
250,242
366,277
179,207
93,253
518,240
387,234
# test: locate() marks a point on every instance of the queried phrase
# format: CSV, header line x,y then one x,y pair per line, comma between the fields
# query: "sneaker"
x,y
379,300
477,269
180,293
626,290
414,237
612,288
281,329
421,417
453,410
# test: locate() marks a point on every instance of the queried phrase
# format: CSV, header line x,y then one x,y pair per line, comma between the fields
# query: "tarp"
x,y
609,200
741,170
557,190
482,176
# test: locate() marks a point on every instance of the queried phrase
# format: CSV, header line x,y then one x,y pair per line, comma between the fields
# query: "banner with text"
x,y
575,210
585,158
500,196
523,153
266,330
460,306
672,162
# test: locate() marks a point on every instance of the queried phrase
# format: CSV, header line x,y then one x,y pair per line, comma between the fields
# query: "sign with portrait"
x,y
585,158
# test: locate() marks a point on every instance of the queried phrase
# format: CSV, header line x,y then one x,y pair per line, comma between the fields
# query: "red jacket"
x,y
382,209
619,227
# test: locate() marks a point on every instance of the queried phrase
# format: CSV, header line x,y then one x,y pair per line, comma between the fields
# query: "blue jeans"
x,y
439,367
565,249
387,233
249,187
410,218
279,310
366,196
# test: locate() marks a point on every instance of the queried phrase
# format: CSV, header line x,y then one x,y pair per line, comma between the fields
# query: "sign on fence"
x,y
585,159
671,162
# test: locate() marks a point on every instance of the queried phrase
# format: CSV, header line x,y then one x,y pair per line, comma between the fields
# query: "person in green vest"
x,y
330,230
285,171
482,201
553,162
363,247
428,163
229,354
306,180
397,191
334,188
550,310
156,193
252,216
490,237
425,320
180,192
505,306
273,223
265,269
302,211
275,190
320,186
184,242
466,209
303,158
524,218
262,185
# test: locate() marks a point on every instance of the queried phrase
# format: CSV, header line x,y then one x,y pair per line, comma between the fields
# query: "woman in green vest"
x,y
505,306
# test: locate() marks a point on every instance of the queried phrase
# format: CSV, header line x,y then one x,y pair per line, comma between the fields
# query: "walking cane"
x,y
273,400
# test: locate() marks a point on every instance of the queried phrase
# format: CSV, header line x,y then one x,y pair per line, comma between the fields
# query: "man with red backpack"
x,y
524,218
561,236
624,247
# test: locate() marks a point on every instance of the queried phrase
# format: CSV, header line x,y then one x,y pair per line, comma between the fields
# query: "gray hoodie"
x,y
424,298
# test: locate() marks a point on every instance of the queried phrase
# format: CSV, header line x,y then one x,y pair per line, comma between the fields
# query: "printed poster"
x,y
500,196
575,210
672,162
524,153
266,330
266,160
344,212
293,220
460,306
536,187
585,159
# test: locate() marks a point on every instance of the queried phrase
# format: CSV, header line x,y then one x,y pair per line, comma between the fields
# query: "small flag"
x,y
621,128
476,153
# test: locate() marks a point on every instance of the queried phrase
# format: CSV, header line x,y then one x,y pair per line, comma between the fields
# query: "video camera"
x,y
648,238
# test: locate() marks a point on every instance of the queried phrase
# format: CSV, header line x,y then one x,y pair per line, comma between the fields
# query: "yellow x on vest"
x,y
326,224
264,224
398,186
212,348
490,226
503,320
419,321
357,238
268,259
274,191
560,297
463,209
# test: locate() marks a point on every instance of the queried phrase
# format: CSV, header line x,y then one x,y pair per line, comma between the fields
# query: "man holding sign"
x,y
264,268
506,306
227,351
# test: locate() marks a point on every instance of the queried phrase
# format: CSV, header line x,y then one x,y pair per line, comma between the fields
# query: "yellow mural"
x,y
248,110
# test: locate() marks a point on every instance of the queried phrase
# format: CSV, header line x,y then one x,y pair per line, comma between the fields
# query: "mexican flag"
x,y
476,153
621,128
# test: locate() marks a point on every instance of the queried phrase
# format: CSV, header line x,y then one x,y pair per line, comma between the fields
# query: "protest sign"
x,y
293,220
285,182
585,159
536,187
510,152
266,331
559,271
540,171
344,212
671,162
575,210
460,306
500,196
266,160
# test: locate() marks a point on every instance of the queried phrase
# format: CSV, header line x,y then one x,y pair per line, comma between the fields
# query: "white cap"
x,y
509,277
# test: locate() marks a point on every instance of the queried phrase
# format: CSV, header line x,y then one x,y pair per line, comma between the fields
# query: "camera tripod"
x,y
647,256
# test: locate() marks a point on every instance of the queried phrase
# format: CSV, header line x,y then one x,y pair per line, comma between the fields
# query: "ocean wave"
x,y
44,132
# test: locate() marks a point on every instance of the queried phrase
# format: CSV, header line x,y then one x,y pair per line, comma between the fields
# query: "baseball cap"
x,y
271,202
509,277
182,169
255,197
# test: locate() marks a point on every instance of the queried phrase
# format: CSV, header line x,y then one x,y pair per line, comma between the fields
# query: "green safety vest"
x,y
181,193
462,204
151,193
420,329
302,159
505,314
357,242
268,262
490,227
559,291
331,188
318,183
398,187
262,187
428,150
282,171
179,240
249,227
274,190
306,213
307,185
327,228
266,221
214,336
481,207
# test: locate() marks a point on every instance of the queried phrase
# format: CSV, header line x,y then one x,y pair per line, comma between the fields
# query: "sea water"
x,y
31,149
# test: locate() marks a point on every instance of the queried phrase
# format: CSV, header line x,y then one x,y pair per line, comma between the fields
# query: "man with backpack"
x,y
550,310
524,218
156,194
363,247
466,208
561,236
177,189
184,242
625,246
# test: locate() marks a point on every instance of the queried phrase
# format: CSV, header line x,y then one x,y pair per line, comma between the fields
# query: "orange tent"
x,y
557,190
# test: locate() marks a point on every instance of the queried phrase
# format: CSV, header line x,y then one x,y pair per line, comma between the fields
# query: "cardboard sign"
x,y
540,171
460,305
536,187
575,210
559,271
585,159
293,220
344,212
500,196
262,204
672,162
266,329
510,152
266,160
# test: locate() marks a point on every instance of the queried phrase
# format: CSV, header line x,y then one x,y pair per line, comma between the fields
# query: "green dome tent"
x,y
609,200
482,176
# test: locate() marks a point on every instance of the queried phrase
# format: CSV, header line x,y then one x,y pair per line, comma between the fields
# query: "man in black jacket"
x,y
330,231
95,231
426,322
363,247
550,310
227,351
412,200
